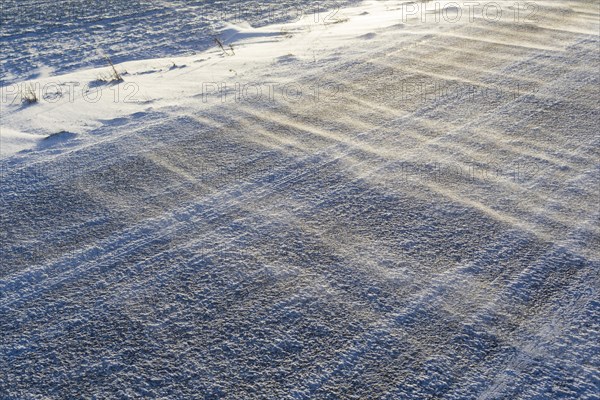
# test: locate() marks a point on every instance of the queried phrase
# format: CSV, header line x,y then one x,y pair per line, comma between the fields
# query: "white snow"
x,y
12,141
373,202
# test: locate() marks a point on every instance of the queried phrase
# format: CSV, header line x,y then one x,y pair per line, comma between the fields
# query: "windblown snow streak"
x,y
413,217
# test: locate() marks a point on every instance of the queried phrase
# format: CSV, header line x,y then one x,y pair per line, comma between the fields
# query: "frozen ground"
x,y
409,210
41,37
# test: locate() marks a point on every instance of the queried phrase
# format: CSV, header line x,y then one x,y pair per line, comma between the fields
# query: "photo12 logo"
x,y
454,12
434,171
54,92
268,92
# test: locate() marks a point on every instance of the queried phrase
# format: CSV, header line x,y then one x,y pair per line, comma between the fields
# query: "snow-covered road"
x,y
370,206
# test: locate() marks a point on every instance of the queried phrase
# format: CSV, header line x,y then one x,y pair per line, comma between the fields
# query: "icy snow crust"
x,y
37,36
381,230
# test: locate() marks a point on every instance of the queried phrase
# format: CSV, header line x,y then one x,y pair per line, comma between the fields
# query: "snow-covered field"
x,y
368,200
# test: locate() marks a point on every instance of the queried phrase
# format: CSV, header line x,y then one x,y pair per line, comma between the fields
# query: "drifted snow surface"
x,y
39,37
414,218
